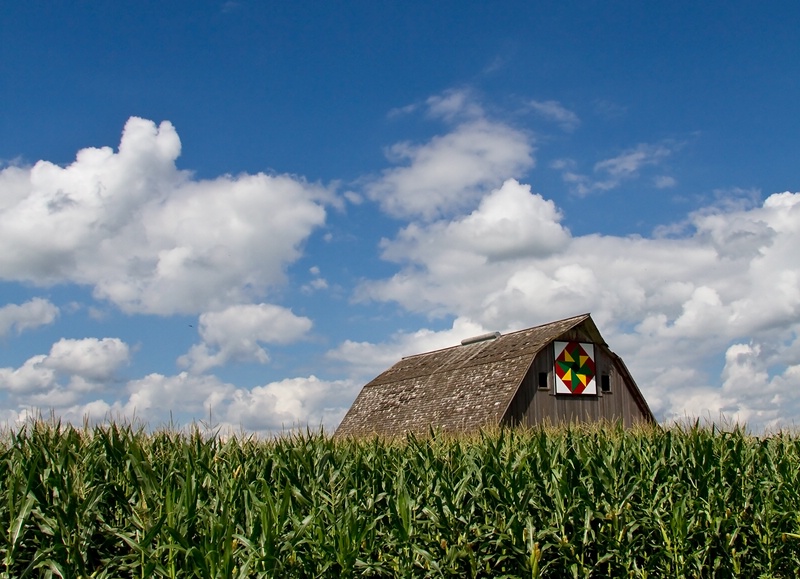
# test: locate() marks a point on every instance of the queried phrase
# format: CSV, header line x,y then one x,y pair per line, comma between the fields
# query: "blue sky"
x,y
246,210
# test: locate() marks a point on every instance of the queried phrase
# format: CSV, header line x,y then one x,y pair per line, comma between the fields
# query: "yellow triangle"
x,y
583,378
567,376
583,359
567,357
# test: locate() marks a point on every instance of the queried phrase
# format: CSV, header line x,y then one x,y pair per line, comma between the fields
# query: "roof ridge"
x,y
579,318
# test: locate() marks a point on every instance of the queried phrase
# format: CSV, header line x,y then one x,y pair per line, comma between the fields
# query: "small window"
x,y
542,380
605,383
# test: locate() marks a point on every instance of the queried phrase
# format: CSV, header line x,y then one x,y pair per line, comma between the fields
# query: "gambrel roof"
x,y
454,389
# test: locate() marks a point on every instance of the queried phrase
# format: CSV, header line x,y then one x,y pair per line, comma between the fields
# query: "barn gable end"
x,y
489,382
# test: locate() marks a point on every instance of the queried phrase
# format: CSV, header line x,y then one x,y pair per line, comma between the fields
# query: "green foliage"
x,y
590,501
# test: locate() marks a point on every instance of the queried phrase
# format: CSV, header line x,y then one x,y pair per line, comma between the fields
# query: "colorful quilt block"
x,y
574,368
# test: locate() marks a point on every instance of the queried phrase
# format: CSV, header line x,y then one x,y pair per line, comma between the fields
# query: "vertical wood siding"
x,y
532,405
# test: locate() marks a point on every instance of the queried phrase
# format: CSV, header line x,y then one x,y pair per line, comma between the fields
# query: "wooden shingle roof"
x,y
459,388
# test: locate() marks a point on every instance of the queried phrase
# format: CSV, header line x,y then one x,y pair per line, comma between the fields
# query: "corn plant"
x,y
574,501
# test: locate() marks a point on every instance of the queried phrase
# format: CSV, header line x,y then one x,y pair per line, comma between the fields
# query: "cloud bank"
x,y
706,312
149,238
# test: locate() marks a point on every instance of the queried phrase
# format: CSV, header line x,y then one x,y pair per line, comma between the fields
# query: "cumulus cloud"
x,y
27,316
556,112
33,376
151,397
72,368
750,392
671,307
290,403
510,222
147,236
451,171
236,334
92,359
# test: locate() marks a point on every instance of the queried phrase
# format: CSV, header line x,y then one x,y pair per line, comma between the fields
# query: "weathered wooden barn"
x,y
558,372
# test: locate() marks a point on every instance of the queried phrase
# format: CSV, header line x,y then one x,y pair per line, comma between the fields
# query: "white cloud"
x,y
612,172
555,111
15,185
71,368
33,376
147,236
27,316
290,403
366,360
629,162
664,181
151,397
749,394
454,104
510,222
451,171
90,358
402,111
671,307
563,164
158,400
236,334
510,225
314,285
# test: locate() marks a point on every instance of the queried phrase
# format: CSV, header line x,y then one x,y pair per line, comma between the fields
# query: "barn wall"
x,y
533,405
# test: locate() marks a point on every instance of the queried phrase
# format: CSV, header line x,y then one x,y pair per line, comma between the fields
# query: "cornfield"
x,y
118,501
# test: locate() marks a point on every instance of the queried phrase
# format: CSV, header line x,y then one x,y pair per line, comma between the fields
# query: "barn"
x,y
554,373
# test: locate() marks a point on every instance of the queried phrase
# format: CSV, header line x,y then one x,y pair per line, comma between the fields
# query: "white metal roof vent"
x,y
481,338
